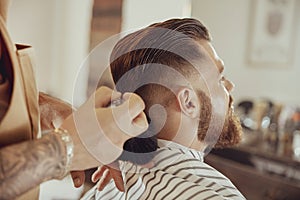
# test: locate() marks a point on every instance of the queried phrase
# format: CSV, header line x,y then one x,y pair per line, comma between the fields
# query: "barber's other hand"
x,y
78,178
112,171
107,172
117,124
103,175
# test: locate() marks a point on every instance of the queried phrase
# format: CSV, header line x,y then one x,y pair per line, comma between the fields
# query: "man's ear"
x,y
188,102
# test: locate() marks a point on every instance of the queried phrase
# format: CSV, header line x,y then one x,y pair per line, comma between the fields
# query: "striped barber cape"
x,y
179,173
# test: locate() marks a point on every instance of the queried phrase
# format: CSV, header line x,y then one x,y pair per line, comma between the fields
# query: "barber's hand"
x,y
78,178
52,111
112,171
103,175
107,172
117,125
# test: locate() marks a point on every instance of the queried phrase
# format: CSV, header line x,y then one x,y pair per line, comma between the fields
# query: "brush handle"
x,y
116,102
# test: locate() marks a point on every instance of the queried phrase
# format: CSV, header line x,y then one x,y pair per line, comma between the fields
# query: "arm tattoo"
x,y
25,165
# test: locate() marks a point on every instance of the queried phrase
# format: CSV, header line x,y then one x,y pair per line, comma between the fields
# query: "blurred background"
x,y
259,41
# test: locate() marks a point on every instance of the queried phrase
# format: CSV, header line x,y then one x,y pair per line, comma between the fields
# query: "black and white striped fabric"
x,y
179,173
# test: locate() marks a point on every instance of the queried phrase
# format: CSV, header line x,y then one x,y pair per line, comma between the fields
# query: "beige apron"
x,y
21,121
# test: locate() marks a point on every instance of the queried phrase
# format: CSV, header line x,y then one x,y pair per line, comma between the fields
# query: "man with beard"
x,y
175,69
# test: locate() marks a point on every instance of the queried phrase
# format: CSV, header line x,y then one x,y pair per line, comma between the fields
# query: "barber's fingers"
x,y
129,117
140,122
105,179
98,173
107,172
130,127
78,178
133,104
104,95
116,174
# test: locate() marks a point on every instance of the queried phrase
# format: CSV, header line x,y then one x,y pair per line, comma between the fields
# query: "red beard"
x,y
232,130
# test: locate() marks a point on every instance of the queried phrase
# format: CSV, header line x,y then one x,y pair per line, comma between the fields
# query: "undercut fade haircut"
x,y
141,63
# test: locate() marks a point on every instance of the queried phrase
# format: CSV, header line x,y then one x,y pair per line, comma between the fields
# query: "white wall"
x,y
59,32
141,13
228,22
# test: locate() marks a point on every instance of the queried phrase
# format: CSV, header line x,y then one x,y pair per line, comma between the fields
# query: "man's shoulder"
x,y
178,174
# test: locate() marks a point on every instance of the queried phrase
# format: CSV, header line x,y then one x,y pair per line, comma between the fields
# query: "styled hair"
x,y
143,62
192,28
164,43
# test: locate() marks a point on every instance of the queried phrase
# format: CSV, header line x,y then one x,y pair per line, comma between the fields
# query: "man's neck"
x,y
195,143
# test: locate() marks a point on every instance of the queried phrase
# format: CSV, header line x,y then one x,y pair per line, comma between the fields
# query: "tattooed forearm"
x,y
24,166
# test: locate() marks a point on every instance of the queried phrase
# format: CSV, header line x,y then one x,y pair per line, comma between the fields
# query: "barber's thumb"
x,y
140,123
134,104
78,178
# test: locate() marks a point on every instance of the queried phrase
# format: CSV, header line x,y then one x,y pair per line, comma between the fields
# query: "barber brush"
x,y
141,149
116,102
